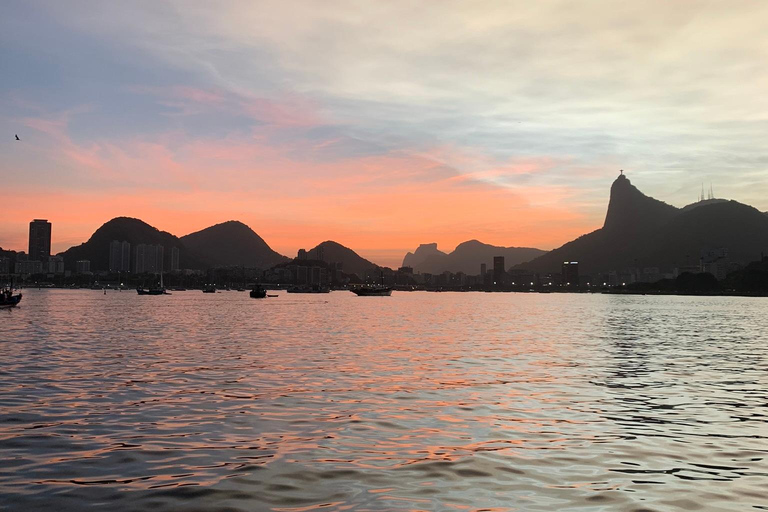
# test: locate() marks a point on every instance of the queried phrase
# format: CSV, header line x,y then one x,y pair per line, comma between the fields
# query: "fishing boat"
x,y
373,290
7,298
258,292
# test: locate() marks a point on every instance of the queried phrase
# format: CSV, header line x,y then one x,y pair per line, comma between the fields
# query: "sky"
x,y
380,125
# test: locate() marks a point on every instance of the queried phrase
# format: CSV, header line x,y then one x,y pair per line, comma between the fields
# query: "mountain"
x,y
640,231
466,258
134,231
421,254
232,243
351,262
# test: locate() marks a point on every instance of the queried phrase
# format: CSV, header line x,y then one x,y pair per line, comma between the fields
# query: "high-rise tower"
x,y
39,240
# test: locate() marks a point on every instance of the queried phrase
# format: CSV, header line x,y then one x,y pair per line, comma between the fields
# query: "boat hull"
x,y
258,293
310,289
152,291
9,302
372,292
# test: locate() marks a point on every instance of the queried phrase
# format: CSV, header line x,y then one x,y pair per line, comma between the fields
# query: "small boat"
x,y
8,299
315,288
374,290
209,289
154,290
258,292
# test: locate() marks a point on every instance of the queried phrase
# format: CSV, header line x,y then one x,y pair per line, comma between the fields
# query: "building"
x,y
119,256
26,266
39,240
174,259
319,253
499,273
302,255
570,273
483,269
149,259
5,266
55,265
83,266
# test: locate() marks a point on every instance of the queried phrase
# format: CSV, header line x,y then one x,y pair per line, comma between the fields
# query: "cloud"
x,y
319,109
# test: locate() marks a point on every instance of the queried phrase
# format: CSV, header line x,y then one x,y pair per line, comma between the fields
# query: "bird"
x,y
17,137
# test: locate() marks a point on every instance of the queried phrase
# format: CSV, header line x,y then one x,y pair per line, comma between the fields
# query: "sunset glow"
x,y
379,127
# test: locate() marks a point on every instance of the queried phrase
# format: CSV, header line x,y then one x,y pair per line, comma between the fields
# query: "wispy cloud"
x,y
458,113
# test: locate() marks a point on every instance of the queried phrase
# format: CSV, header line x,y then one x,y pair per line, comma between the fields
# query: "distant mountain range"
x,y
232,243
640,231
467,257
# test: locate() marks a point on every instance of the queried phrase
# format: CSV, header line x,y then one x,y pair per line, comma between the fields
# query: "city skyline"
x,y
453,118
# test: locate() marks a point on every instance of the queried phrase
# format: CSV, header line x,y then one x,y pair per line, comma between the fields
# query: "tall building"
x,y
302,255
83,266
570,273
174,258
138,260
483,269
498,270
55,265
149,259
119,256
39,240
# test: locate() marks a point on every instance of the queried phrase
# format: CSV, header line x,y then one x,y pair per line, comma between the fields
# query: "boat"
x,y
209,289
315,288
258,292
8,299
373,290
154,291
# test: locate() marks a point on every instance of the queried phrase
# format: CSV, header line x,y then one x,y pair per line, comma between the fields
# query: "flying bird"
x,y
17,137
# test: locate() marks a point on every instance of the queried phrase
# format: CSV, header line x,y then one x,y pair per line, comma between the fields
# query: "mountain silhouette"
x,y
134,231
351,262
640,231
467,257
232,243
423,252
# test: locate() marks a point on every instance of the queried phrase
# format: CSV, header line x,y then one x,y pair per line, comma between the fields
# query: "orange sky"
x,y
309,121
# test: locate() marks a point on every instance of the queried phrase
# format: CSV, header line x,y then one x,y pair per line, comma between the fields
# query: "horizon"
x,y
450,127
396,255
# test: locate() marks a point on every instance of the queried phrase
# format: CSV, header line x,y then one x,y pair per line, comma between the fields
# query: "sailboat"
x,y
154,291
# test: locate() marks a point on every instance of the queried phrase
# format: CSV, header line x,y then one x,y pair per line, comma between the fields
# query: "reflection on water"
x,y
415,402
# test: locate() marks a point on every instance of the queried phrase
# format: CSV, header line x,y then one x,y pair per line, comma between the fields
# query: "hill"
x,y
134,231
423,252
232,243
467,257
351,262
640,231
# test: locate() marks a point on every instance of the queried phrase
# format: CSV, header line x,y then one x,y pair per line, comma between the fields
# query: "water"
x,y
419,401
